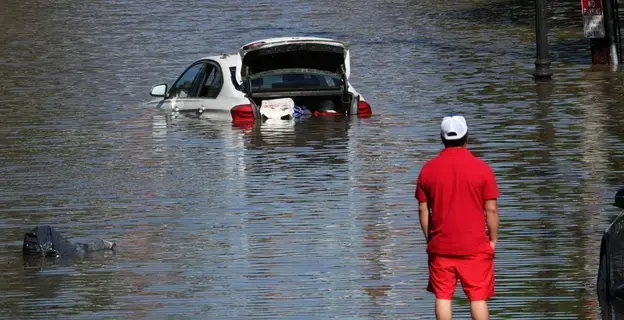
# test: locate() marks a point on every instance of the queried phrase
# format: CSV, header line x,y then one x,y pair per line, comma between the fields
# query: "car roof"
x,y
227,59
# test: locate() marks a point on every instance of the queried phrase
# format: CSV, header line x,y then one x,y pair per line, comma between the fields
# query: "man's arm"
x,y
491,219
423,211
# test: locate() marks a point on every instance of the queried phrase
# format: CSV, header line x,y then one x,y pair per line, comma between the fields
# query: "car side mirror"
x,y
619,199
159,90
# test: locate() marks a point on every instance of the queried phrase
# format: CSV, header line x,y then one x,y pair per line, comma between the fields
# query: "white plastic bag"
x,y
277,108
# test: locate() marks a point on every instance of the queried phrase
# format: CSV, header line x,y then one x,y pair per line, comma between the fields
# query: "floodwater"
x,y
315,220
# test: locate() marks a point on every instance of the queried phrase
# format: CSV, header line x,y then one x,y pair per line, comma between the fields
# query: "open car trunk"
x,y
313,72
324,104
293,53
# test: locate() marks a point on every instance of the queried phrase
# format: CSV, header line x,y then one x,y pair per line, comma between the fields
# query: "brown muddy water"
x,y
315,221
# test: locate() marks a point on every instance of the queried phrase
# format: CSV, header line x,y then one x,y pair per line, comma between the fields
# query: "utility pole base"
x,y
600,51
542,69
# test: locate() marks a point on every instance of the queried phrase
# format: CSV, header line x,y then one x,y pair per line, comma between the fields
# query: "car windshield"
x,y
294,80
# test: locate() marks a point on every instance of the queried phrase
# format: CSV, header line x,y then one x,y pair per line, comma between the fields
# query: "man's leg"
x,y
443,309
476,273
479,310
442,282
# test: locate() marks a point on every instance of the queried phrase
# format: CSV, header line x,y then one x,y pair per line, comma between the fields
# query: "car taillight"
x,y
364,109
243,112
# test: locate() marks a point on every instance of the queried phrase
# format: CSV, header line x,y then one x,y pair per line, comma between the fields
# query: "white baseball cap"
x,y
453,127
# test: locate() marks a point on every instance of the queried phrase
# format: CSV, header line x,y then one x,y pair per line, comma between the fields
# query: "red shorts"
x,y
476,273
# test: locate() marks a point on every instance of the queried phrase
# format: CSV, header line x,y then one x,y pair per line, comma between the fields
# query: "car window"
x,y
233,77
182,88
213,82
294,80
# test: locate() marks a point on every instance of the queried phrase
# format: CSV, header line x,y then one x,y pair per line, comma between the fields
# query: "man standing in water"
x,y
456,195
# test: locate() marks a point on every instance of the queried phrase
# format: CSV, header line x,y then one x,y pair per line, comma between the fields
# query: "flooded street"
x,y
315,220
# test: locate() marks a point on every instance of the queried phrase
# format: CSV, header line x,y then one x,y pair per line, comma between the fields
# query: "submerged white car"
x,y
310,73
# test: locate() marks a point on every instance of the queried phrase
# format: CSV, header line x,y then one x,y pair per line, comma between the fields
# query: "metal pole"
x,y
542,63
610,30
618,34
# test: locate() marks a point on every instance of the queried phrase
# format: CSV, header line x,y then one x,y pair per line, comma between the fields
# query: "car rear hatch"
x,y
307,57
312,72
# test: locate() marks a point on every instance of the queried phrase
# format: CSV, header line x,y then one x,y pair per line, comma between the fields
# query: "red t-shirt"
x,y
455,185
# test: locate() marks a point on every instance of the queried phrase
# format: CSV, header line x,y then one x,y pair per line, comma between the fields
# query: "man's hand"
x,y
491,219
423,211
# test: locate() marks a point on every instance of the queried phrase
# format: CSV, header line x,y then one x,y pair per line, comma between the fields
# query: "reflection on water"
x,y
293,220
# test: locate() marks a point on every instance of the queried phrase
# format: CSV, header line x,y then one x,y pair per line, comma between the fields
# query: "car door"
x,y
184,90
206,97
